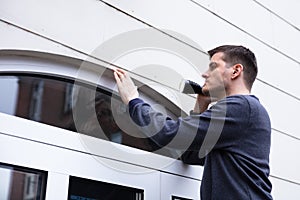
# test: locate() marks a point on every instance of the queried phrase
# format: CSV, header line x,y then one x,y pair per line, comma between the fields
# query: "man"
x,y
232,140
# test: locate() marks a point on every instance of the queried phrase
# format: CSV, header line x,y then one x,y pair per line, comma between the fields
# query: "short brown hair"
x,y
239,55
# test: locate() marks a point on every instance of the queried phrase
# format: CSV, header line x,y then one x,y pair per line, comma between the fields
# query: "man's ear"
x,y
236,70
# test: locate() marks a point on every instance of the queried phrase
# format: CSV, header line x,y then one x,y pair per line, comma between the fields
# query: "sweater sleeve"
x,y
192,158
213,128
155,125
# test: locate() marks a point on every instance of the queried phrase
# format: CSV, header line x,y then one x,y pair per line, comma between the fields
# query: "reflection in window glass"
x,y
81,108
9,87
179,198
21,183
80,188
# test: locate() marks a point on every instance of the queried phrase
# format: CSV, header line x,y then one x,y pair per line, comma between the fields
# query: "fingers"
x,y
116,75
126,87
120,72
121,77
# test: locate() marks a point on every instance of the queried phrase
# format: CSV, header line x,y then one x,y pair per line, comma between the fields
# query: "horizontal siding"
x,y
284,190
208,30
13,37
82,26
283,160
260,23
283,118
287,10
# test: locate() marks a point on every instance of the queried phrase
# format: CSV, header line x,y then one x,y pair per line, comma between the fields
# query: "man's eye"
x,y
212,66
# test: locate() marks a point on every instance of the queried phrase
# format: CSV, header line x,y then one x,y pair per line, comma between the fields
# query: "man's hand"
x,y
202,103
127,89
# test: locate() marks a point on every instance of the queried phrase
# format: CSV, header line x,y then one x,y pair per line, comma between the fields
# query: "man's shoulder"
x,y
241,97
249,105
239,101
249,101
239,105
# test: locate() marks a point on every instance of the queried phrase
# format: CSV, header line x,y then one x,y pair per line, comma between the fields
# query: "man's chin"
x,y
205,92
212,94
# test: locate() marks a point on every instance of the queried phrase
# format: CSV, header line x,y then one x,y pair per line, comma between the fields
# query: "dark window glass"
x,y
80,188
79,107
179,198
22,183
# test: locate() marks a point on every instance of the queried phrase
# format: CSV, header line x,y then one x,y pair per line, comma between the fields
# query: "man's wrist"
x,y
192,112
134,101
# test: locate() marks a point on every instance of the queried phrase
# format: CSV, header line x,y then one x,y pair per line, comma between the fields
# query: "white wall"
x,y
271,29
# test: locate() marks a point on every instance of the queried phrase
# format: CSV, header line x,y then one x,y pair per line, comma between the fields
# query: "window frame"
x,y
43,175
62,67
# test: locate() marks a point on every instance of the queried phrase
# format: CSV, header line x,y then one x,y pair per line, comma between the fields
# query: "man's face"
x,y
216,77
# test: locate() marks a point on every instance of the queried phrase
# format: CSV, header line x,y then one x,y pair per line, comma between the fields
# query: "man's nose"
x,y
204,75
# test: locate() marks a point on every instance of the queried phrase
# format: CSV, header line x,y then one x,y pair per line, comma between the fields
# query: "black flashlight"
x,y
190,87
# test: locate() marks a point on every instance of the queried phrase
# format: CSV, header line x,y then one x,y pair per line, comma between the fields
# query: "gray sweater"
x,y
231,140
